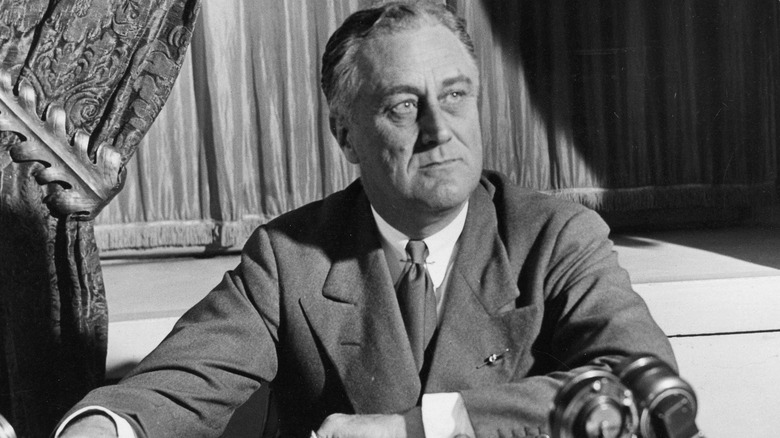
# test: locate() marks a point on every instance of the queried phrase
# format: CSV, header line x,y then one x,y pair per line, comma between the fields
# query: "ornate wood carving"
x,y
75,185
96,75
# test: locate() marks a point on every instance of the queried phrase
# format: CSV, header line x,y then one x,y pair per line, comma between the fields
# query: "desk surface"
x,y
716,293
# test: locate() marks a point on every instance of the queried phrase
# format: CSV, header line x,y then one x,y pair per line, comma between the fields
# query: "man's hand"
x,y
407,425
95,425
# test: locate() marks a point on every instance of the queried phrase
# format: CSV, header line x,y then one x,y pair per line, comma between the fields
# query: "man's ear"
x,y
339,130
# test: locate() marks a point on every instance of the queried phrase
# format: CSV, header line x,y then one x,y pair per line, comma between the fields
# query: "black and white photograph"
x,y
389,218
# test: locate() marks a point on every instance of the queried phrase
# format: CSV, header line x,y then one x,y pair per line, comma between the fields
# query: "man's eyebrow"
x,y
411,89
457,80
401,89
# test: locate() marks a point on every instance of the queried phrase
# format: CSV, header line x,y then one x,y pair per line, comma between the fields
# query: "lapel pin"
x,y
493,358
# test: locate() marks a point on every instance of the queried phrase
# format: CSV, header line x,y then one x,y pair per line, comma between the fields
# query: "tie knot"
x,y
418,251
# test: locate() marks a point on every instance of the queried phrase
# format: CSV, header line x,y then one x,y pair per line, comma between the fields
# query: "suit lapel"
x,y
479,316
359,325
358,322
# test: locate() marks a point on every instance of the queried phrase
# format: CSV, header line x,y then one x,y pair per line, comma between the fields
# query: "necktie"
x,y
417,300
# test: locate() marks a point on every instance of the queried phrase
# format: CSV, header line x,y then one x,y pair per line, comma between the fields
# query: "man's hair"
x,y
339,76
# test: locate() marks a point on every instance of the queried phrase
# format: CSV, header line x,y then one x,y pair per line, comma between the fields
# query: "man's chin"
x,y
445,200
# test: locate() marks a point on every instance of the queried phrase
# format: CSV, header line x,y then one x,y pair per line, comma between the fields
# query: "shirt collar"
x,y
440,246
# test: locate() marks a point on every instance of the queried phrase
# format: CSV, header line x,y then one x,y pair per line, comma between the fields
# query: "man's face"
x,y
414,129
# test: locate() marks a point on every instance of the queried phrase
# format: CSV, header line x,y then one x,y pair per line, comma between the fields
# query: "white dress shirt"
x,y
444,414
441,247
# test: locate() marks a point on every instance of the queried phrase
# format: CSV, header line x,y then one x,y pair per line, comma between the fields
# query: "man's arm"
x,y
204,369
592,317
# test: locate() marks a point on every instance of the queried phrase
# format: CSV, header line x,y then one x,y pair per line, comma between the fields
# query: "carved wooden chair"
x,y
81,82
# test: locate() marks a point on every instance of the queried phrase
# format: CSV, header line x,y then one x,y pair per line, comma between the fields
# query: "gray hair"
x,y
339,79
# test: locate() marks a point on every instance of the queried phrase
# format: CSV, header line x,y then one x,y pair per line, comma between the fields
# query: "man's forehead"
x,y
414,56
409,79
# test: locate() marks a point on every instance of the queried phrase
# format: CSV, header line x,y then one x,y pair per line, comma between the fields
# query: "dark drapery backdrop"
x,y
625,106
108,65
634,105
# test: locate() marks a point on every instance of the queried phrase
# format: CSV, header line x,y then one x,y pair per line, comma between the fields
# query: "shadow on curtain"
x,y
633,106
107,67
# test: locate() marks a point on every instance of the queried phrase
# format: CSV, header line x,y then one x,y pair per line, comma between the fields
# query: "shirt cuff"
x,y
444,415
123,428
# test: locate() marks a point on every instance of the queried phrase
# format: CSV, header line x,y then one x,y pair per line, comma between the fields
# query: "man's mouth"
x,y
440,163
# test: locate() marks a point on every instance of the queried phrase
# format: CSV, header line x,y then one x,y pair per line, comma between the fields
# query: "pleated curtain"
x,y
620,105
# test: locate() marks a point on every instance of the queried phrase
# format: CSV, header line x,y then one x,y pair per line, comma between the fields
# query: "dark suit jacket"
x,y
312,309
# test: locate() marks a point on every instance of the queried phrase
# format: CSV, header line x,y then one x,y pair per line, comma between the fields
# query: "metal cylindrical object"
x,y
666,402
594,404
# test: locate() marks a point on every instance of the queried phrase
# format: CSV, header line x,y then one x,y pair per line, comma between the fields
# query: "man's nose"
x,y
434,129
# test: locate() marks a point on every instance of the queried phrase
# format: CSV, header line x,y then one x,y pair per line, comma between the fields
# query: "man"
x,y
517,289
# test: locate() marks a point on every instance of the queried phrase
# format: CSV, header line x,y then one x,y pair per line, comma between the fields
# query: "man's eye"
x,y
453,97
404,108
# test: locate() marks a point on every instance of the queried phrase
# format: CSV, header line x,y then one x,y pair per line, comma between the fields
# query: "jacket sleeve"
x,y
193,381
592,317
